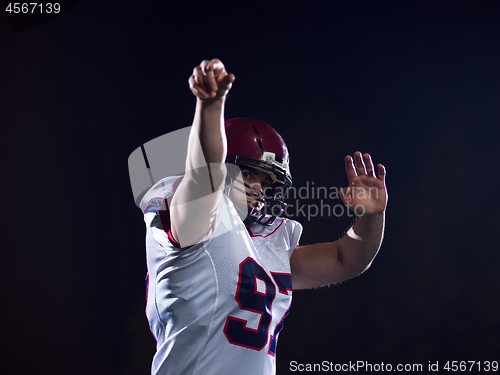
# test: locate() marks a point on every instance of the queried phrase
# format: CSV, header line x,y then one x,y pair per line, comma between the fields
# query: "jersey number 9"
x,y
250,299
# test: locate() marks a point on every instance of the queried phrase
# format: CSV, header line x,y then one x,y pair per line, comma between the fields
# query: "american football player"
x,y
222,262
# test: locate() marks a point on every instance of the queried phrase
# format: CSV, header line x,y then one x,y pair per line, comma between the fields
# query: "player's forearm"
x,y
359,246
207,141
193,205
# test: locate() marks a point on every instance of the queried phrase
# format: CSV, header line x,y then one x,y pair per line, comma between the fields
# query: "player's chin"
x,y
253,208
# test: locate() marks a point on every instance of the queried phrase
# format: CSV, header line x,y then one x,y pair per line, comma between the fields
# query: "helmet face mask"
x,y
255,145
253,205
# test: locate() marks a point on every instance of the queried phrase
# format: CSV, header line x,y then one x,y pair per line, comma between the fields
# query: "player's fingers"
x,y
206,83
199,92
211,82
216,65
208,72
369,165
201,69
227,81
360,165
213,70
203,65
198,76
381,172
349,168
210,78
197,89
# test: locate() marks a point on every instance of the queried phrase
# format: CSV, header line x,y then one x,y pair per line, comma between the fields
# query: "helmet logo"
x,y
271,158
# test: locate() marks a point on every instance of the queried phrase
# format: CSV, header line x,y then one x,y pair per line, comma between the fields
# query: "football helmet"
x,y
253,143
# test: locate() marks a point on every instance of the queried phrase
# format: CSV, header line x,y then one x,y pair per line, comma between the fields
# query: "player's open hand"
x,y
210,81
367,193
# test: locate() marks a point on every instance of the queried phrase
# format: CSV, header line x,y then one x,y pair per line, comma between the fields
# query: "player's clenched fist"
x,y
210,80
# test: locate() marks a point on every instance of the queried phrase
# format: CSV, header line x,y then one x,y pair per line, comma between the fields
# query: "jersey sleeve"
x,y
156,212
155,208
295,233
163,189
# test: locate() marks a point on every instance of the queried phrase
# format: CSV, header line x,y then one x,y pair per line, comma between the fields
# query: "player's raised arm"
x,y
195,201
328,263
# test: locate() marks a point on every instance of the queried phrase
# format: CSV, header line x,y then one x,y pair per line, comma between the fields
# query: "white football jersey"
x,y
218,306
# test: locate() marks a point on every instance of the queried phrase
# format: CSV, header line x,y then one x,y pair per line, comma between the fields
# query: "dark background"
x,y
416,84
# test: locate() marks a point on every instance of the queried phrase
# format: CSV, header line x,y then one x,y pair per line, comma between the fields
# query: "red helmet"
x,y
255,144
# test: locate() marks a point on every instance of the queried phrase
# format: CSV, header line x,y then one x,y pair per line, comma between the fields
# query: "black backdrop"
x,y
416,84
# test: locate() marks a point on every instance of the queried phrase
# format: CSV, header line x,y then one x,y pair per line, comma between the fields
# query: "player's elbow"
x,y
352,266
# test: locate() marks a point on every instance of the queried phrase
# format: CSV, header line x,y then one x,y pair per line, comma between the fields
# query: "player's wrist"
x,y
217,100
210,108
374,214
372,217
